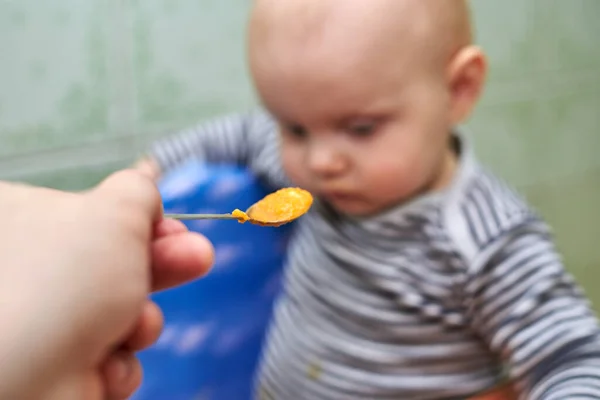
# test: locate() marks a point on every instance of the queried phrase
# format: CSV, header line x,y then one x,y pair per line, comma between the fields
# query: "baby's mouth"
x,y
341,196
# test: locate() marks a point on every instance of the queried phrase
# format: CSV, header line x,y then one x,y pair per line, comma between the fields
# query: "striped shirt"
x,y
440,298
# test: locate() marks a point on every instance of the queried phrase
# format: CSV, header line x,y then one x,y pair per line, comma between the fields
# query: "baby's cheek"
x,y
394,179
293,166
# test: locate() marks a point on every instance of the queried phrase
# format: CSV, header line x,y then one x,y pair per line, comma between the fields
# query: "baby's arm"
x,y
248,140
535,317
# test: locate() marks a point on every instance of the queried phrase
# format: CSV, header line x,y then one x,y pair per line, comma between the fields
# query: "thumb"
x,y
132,188
148,167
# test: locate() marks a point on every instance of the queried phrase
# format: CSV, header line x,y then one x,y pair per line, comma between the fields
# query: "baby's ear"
x,y
466,74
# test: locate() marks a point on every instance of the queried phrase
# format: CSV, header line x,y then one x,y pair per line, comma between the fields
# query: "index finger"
x,y
179,258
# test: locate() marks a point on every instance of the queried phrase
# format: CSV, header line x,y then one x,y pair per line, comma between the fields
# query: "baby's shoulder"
x,y
260,119
486,212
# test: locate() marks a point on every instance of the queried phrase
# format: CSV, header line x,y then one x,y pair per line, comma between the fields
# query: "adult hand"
x,y
75,273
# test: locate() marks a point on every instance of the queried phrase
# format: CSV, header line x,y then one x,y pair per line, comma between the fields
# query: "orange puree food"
x,y
280,207
240,215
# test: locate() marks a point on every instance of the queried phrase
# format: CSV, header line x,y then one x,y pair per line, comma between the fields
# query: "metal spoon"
x,y
275,209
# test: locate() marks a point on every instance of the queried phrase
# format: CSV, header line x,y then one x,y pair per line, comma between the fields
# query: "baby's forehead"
x,y
376,30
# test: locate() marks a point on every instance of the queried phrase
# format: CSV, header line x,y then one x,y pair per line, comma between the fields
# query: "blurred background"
x,y
84,85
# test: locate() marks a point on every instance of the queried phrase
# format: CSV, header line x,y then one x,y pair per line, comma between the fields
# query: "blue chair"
x,y
215,326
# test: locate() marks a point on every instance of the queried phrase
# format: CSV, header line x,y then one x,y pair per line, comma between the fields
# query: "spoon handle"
x,y
183,217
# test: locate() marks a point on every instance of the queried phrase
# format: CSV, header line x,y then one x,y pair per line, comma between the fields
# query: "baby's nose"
x,y
326,161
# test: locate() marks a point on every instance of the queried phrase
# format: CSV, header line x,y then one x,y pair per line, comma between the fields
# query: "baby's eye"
x,y
297,131
362,129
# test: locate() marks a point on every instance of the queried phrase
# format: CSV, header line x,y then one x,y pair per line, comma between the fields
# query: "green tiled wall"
x,y
538,124
84,84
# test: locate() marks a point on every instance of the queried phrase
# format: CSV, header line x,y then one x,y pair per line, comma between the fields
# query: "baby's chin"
x,y
353,206
357,206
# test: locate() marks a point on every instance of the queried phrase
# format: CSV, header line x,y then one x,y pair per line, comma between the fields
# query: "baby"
x,y
417,274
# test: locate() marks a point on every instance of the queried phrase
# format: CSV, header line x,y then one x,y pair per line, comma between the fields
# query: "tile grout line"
x,y
122,81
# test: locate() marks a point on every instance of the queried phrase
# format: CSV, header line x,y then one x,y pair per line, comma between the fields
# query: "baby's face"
x,y
363,136
365,94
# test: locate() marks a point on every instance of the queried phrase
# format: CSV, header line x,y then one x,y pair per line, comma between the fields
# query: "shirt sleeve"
x,y
249,140
531,313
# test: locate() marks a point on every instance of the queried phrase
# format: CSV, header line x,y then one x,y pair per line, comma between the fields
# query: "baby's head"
x,y
366,93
